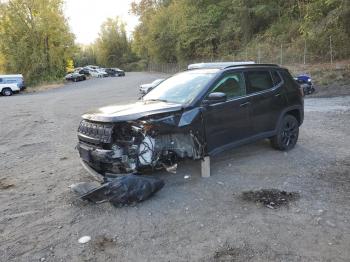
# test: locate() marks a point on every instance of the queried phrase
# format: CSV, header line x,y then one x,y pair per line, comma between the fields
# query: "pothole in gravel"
x,y
271,198
101,243
229,253
5,184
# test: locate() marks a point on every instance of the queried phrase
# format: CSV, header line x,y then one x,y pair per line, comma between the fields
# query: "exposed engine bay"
x,y
133,146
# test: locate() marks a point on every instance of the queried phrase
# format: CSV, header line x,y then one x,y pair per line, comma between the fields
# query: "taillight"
x,y
301,91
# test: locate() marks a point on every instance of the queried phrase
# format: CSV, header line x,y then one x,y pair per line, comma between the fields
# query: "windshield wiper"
x,y
161,100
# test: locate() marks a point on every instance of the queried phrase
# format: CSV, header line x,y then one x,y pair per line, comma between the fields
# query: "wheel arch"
x,y
296,111
296,114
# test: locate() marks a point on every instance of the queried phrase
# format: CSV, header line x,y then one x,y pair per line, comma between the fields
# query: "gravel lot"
x,y
191,219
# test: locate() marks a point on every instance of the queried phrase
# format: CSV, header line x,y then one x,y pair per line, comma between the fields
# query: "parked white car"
x,y
145,88
97,73
7,89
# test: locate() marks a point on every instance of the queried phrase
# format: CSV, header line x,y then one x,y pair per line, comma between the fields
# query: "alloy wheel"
x,y
289,133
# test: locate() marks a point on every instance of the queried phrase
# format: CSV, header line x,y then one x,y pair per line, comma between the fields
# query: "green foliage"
x,y
85,55
183,30
113,47
35,39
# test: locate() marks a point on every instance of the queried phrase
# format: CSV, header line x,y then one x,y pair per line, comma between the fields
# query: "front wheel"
x,y
7,92
287,134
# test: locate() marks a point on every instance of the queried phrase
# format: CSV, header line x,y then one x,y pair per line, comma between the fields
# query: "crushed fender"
x,y
120,191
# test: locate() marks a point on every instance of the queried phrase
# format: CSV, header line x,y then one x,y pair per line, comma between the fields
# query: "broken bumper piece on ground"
x,y
120,191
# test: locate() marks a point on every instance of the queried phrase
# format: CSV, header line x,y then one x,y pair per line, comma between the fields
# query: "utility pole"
x,y
331,48
281,58
259,55
304,51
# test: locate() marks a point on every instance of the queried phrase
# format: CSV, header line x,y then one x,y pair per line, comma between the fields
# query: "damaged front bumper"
x,y
133,146
97,176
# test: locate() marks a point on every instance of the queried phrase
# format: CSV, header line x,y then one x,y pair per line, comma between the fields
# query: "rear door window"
x,y
258,81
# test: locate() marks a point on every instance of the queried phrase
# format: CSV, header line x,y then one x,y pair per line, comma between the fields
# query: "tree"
x,y
85,55
35,38
112,46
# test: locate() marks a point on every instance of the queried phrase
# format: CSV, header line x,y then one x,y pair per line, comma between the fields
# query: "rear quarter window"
x,y
288,79
276,78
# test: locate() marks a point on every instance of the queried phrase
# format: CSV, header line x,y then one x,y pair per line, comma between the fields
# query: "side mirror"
x,y
216,97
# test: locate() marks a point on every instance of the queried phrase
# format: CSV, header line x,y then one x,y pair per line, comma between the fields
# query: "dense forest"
x,y
36,39
182,30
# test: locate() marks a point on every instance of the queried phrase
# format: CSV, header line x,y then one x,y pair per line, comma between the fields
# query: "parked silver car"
x,y
145,88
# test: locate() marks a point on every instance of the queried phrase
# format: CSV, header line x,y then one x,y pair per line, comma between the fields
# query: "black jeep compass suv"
x,y
196,113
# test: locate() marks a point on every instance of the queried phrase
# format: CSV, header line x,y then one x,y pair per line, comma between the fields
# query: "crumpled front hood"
x,y
134,111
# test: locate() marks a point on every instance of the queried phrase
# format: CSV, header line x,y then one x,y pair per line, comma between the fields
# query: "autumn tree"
x,y
112,46
35,38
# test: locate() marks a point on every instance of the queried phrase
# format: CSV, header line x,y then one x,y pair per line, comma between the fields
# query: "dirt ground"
x,y
192,219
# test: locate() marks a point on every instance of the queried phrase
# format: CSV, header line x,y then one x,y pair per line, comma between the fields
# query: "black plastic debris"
x,y
120,191
83,187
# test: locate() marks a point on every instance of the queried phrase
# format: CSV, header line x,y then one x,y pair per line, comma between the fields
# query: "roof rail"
x,y
11,75
220,65
254,65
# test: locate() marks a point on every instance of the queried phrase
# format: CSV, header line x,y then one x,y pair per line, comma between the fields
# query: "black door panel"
x,y
265,109
267,99
226,123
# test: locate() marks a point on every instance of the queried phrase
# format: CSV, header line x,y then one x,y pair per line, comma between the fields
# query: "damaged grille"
x,y
95,132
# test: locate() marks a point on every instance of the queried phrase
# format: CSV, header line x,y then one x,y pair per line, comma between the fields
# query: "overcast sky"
x,y
85,17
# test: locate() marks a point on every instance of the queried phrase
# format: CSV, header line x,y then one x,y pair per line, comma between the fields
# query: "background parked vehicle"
x,y
102,72
83,71
75,77
111,72
13,79
145,88
120,72
9,89
305,83
97,73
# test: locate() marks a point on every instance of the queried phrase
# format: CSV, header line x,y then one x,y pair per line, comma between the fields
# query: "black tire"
x,y
287,134
7,92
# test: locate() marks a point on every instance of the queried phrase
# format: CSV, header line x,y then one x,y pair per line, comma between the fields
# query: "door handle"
x,y
277,95
245,104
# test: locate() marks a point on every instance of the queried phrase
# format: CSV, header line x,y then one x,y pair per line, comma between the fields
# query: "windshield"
x,y
181,88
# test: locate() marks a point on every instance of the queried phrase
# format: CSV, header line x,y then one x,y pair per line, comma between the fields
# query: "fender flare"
x,y
300,108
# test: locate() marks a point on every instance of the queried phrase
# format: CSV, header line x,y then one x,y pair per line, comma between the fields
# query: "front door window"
x,y
232,84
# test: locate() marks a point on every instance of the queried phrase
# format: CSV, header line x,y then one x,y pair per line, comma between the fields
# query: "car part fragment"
x,y
125,190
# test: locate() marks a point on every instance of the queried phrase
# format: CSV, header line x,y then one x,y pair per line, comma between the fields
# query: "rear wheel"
x,y
7,92
287,134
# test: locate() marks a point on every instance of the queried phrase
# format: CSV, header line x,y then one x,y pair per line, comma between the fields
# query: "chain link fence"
x,y
297,60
